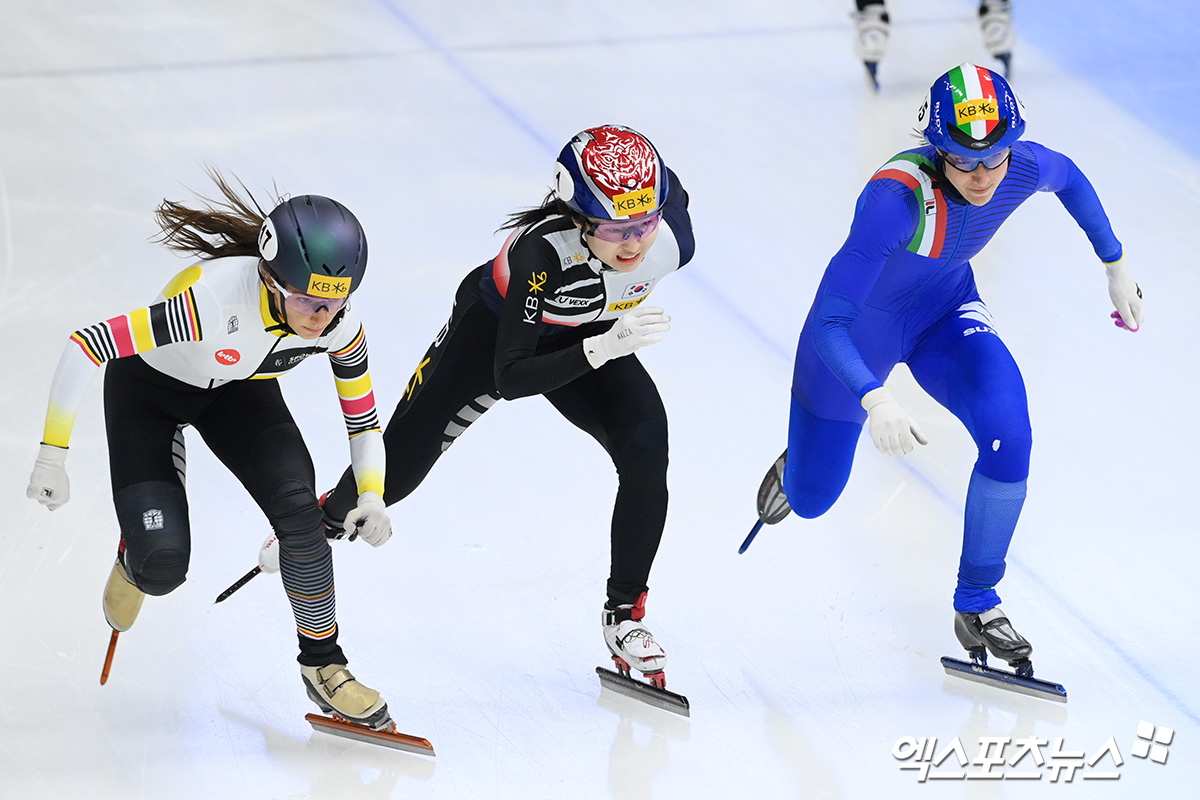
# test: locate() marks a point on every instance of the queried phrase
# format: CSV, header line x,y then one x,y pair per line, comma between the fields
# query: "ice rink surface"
x,y
806,660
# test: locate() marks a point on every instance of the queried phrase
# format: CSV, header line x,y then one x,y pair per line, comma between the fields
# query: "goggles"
x,y
307,303
623,231
990,161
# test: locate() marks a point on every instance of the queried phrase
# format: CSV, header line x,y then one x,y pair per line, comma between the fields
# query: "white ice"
x,y
806,659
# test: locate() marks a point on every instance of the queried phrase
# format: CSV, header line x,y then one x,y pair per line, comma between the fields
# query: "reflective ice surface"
x,y
808,658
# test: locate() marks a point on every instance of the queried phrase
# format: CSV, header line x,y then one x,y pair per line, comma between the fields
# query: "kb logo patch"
x,y
152,519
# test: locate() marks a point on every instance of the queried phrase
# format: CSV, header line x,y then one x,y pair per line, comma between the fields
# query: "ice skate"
x,y
871,27
122,602
631,644
336,691
633,648
995,22
773,504
355,711
990,631
122,599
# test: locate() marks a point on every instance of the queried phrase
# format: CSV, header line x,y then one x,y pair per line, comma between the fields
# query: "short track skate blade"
x,y
1005,680
629,687
361,733
239,583
1006,60
108,657
872,74
750,538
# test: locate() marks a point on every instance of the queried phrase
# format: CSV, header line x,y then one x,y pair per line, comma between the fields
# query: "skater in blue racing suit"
x,y
901,289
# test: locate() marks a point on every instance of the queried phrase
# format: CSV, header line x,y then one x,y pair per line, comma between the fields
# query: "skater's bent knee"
x,y
154,527
641,459
160,572
294,509
810,501
1005,459
810,506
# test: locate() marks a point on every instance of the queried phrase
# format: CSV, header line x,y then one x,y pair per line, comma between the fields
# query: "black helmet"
x,y
315,245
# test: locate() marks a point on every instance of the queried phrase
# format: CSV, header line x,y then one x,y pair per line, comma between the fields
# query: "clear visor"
x,y
990,161
625,230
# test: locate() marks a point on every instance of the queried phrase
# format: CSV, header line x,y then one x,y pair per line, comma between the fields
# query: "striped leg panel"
x,y
308,580
465,416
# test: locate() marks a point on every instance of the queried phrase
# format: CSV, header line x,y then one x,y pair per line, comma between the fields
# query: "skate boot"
x,y
871,27
991,631
772,502
122,599
995,22
631,644
337,692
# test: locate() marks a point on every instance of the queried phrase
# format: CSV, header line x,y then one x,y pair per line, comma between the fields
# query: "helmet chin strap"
x,y
276,312
938,174
336,318
591,255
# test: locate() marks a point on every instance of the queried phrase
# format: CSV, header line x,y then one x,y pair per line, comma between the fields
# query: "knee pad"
x,y
158,543
161,572
296,516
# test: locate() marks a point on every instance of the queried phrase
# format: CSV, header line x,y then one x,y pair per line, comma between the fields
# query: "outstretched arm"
x,y
175,319
1060,175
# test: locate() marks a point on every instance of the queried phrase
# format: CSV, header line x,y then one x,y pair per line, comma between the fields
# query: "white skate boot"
x,y
871,28
995,22
337,692
631,643
122,600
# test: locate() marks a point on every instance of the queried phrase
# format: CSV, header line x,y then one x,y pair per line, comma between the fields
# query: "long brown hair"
x,y
219,227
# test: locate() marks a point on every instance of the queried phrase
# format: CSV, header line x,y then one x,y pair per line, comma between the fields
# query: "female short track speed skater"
x,y
559,312
273,289
901,289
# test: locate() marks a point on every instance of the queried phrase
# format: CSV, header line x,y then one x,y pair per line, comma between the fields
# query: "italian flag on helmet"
x,y
976,108
971,111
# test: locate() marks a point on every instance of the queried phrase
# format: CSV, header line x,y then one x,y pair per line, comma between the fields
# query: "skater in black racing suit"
x,y
559,312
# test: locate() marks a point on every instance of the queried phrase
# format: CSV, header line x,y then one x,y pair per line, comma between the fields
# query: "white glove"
x,y
48,484
1126,296
637,328
891,427
268,556
369,519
